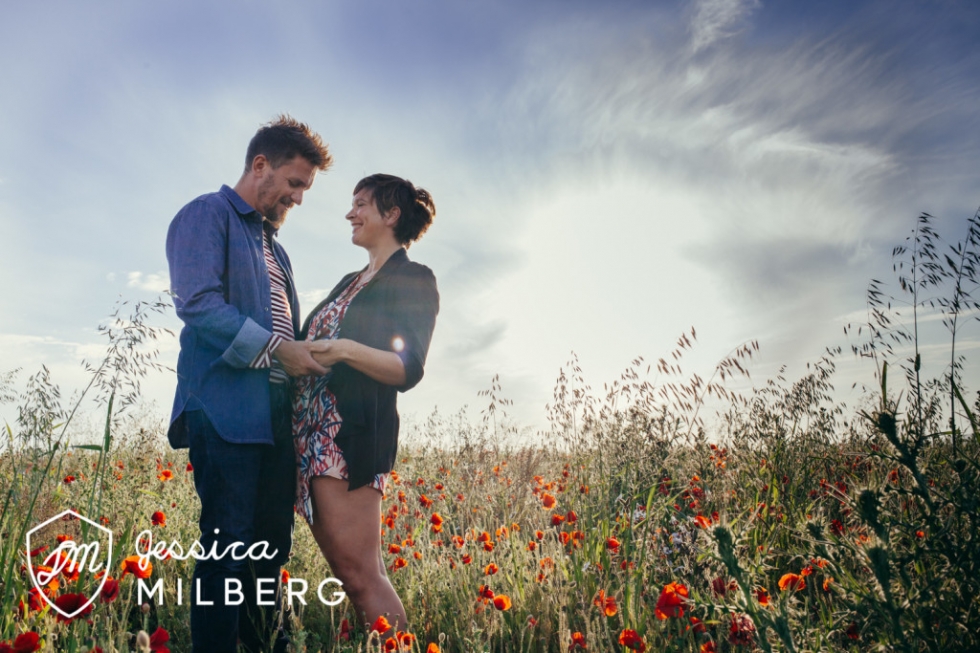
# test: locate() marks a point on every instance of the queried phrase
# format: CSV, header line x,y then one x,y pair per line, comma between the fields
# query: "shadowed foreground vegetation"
x,y
788,524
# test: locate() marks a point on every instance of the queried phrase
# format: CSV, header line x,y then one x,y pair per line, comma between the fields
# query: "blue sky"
x,y
607,175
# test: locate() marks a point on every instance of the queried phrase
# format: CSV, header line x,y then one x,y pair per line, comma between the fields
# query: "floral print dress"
x,y
315,417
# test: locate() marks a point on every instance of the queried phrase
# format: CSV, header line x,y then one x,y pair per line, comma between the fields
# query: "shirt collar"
x,y
243,207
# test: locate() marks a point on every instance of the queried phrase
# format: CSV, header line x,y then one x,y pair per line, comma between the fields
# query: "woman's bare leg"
x,y
347,527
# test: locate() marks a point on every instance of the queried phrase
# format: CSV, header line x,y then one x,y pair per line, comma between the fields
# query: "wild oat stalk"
x,y
126,361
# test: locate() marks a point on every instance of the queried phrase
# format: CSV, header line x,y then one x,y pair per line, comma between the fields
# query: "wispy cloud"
x,y
714,20
153,282
607,175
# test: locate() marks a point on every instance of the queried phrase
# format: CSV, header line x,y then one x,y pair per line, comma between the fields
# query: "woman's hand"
x,y
382,366
295,358
328,352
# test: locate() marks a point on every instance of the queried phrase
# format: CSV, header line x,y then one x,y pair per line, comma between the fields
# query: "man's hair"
x,y
285,138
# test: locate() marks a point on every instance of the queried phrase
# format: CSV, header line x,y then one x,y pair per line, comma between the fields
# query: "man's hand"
x,y
295,357
330,352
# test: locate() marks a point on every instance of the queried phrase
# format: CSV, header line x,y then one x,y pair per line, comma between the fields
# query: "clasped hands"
x,y
309,358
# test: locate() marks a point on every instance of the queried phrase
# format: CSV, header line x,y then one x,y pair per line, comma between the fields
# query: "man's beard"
x,y
275,213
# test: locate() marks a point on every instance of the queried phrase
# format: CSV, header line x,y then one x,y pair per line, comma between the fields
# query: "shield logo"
x,y
76,556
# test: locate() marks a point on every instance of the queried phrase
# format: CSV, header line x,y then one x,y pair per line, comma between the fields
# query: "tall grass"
x,y
789,523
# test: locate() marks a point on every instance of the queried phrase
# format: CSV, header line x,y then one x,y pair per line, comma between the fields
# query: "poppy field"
x,y
642,520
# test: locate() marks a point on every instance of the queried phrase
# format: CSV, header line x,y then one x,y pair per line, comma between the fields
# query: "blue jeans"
x,y
247,495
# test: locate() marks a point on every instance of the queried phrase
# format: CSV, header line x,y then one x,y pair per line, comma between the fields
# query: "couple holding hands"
x,y
280,416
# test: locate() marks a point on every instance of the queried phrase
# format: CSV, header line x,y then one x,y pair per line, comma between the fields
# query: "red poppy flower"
x,y
158,641
34,601
158,518
58,559
381,625
762,596
609,606
672,600
24,643
548,501
742,630
612,544
432,648
436,521
720,586
165,475
631,640
110,591
131,565
491,569
485,592
792,582
501,602
69,603
708,647
578,641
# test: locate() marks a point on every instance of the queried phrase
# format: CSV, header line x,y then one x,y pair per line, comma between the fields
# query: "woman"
x,y
376,325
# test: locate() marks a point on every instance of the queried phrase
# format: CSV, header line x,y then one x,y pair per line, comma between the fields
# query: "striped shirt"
x,y
282,316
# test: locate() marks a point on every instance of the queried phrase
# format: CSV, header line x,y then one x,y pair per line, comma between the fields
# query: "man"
x,y
233,289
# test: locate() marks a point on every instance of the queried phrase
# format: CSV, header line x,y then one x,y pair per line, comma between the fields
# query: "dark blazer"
x,y
395,311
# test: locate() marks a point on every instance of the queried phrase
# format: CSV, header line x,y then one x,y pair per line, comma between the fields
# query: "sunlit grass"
x,y
789,524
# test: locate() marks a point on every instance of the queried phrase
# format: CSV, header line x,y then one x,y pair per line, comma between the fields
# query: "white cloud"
x,y
158,282
605,179
714,20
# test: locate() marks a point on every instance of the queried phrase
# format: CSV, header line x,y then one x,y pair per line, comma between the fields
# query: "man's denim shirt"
x,y
221,292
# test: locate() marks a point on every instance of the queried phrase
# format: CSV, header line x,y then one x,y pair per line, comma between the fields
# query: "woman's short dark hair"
x,y
285,138
416,205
